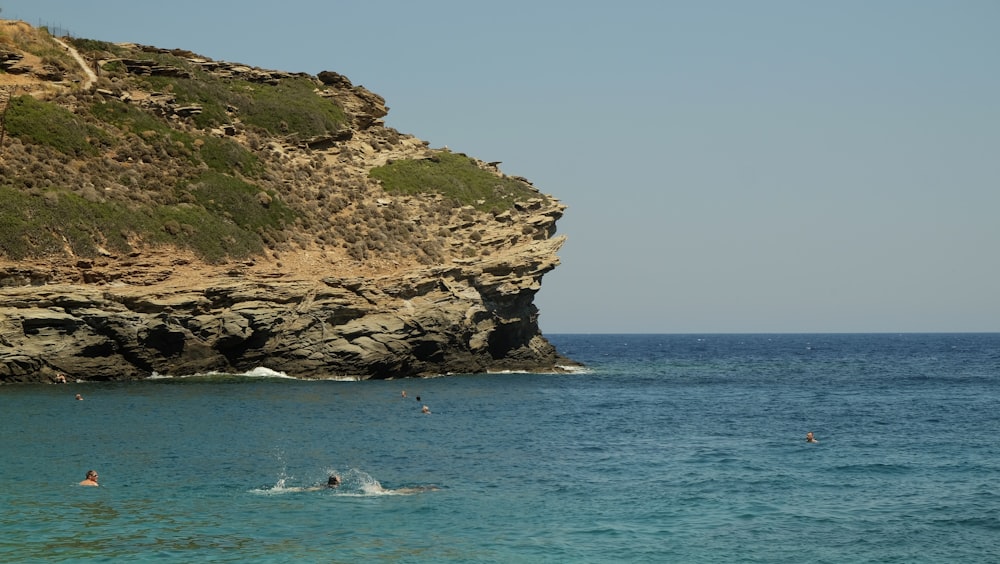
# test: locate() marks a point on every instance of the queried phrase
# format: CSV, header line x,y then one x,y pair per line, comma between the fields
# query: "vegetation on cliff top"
x,y
213,212
109,170
225,220
455,176
47,124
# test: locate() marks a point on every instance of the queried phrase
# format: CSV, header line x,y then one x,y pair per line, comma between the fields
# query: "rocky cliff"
x,y
194,227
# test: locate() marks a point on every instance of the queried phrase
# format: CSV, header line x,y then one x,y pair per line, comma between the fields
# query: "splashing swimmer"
x,y
372,487
360,483
333,482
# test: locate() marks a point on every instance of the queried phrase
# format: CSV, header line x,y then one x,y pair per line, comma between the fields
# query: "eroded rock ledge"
x,y
462,318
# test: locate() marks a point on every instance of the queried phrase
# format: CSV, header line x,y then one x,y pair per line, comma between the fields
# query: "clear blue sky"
x,y
729,166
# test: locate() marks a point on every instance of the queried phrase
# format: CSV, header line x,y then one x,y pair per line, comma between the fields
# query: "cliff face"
x,y
462,318
359,278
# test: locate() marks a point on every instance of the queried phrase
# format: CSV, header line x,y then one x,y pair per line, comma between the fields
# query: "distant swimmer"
x,y
361,482
332,482
91,479
426,410
79,397
403,393
810,438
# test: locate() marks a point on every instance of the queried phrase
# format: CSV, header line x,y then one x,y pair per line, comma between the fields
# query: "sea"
x,y
664,448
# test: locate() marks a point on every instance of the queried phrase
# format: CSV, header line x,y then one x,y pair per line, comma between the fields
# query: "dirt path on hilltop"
x,y
87,71
28,81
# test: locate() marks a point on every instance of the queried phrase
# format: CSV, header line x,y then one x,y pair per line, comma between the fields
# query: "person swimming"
x,y
91,479
333,482
368,485
810,438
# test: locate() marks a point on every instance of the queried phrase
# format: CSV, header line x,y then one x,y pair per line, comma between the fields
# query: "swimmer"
x,y
810,438
403,393
369,485
333,482
91,479
79,397
426,410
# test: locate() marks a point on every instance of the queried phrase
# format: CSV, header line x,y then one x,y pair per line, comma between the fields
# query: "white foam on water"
x,y
259,372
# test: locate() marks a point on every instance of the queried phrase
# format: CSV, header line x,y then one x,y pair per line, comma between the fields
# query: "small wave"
x,y
576,369
259,373
262,372
558,369
334,379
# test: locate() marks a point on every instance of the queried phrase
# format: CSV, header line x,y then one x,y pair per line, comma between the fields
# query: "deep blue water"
x,y
670,448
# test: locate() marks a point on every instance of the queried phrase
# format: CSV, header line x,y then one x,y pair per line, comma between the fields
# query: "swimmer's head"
x,y
333,482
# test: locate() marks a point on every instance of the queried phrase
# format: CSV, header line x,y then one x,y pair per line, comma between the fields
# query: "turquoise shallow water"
x,y
671,448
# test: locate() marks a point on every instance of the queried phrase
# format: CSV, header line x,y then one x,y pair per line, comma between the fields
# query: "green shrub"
x,y
219,154
204,90
290,107
226,155
225,221
455,176
208,235
37,225
95,46
113,67
240,202
129,117
43,123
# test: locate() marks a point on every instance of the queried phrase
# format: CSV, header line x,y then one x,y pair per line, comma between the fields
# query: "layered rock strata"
x,y
463,318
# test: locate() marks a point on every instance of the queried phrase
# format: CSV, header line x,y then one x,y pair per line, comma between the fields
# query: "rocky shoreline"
x,y
464,318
